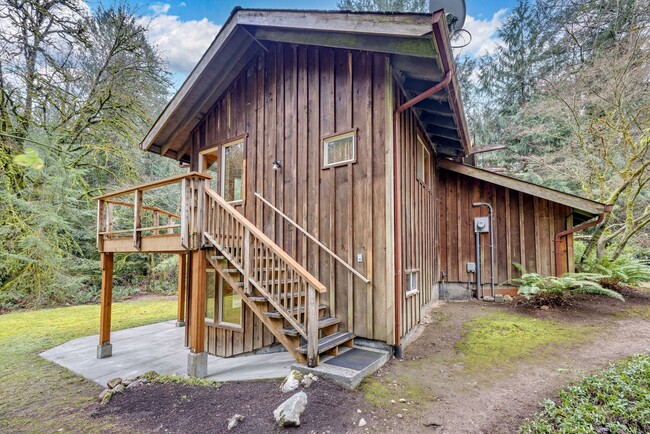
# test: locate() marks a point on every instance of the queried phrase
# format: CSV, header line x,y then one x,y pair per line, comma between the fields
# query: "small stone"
x,y
119,388
308,379
104,392
392,401
545,307
106,398
399,415
402,400
234,421
362,422
508,298
359,410
135,383
114,382
288,413
127,382
292,382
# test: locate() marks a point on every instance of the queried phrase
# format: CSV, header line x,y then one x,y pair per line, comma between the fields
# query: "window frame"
x,y
222,176
352,133
219,322
426,163
410,291
213,320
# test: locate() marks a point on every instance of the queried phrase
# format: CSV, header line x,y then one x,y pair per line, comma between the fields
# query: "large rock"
x,y
114,382
288,413
292,381
308,379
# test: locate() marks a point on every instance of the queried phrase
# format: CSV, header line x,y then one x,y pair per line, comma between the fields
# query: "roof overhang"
x,y
588,208
419,50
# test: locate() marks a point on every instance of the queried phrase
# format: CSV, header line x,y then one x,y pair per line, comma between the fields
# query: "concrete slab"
x,y
160,347
346,377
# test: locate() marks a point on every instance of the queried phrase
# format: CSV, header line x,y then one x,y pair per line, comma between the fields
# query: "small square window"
x,y
424,163
411,283
339,149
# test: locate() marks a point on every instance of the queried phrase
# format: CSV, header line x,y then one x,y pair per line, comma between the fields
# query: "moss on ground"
x,y
634,312
499,338
376,392
39,396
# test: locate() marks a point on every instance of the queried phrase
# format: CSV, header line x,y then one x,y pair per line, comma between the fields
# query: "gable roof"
x,y
586,206
418,45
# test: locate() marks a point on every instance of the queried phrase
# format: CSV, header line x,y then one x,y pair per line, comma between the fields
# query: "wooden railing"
x,y
107,202
265,266
327,250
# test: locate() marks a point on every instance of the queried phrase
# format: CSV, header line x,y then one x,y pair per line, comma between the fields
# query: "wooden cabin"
x,y
327,198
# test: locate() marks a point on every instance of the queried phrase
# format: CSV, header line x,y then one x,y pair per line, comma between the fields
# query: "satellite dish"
x,y
455,11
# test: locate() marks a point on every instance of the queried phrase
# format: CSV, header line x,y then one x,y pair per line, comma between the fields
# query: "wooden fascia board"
x,y
412,46
389,24
223,35
550,194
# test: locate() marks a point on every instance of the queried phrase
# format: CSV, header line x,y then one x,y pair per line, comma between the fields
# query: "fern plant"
x,y
555,289
626,268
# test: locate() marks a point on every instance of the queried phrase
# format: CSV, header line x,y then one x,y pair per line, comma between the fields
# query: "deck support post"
x,y
105,349
182,285
197,360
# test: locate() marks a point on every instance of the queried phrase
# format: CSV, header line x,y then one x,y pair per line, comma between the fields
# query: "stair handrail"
x,y
309,329
317,284
313,238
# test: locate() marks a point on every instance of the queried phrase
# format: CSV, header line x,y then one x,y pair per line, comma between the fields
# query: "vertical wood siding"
x,y
419,218
285,101
524,228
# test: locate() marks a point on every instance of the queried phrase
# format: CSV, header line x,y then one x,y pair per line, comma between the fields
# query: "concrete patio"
x,y
159,347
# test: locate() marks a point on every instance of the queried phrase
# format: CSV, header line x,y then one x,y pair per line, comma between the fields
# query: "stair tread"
x,y
323,322
328,342
276,314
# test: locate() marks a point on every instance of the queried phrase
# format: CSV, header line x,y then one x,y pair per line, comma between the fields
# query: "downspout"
x,y
558,237
448,70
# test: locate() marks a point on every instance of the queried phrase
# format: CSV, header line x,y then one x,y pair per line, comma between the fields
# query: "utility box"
x,y
471,267
481,225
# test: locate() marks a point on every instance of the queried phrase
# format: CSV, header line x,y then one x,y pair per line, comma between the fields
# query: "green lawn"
x,y
39,396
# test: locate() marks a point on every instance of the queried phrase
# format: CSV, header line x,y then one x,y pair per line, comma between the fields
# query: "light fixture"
x,y
277,165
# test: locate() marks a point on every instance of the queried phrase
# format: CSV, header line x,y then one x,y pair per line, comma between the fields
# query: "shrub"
x,y
551,290
613,401
626,269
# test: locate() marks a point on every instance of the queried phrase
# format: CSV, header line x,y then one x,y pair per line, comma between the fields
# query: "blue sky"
x,y
183,29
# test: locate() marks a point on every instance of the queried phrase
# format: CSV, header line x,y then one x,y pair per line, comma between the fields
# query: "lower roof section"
x,y
580,204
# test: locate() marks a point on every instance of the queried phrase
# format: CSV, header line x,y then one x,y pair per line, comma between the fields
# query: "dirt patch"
x,y
443,394
178,408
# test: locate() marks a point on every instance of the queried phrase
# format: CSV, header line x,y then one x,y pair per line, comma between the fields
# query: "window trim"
x,y
219,314
222,176
211,321
423,147
408,274
331,137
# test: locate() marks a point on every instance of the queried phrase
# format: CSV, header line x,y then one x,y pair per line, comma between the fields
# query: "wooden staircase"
x,y
283,294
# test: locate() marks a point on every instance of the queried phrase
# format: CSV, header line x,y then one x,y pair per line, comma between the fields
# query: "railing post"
x,y
201,216
100,225
247,261
156,222
170,222
109,219
137,219
312,327
185,222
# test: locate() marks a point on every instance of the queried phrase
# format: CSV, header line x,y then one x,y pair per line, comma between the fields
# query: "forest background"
x,y
565,94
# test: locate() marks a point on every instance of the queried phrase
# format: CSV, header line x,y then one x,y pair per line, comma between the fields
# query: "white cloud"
x,y
182,4
160,8
484,33
181,43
